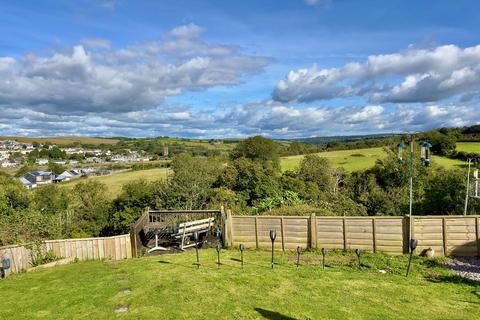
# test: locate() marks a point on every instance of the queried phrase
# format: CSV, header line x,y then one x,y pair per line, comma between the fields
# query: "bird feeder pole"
x,y
468,187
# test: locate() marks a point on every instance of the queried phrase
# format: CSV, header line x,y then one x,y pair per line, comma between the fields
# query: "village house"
x,y
36,178
41,162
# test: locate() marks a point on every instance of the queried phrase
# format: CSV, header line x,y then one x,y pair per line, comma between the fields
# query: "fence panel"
x,y
115,248
451,235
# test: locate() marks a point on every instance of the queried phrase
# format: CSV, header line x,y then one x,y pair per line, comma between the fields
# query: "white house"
x,y
41,162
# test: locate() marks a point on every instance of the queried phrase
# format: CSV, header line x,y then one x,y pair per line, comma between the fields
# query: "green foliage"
x,y
258,149
56,168
442,143
40,255
91,206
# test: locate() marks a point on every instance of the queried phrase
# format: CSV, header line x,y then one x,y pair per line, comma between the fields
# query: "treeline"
x,y
250,181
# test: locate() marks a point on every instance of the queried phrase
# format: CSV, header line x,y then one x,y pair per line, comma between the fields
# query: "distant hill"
x,y
67,140
317,140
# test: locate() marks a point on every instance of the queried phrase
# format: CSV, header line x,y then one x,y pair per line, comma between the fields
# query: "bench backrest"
x,y
196,225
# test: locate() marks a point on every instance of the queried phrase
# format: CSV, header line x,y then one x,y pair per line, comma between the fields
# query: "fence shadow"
x,y
273,315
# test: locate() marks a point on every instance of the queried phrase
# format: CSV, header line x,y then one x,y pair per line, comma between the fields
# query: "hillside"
x,y
63,140
359,159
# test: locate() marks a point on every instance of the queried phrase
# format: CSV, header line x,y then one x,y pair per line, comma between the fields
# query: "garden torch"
x,y
273,235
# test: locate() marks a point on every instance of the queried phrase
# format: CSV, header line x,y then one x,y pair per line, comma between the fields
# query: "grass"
x,y
63,140
171,287
468,146
360,159
350,160
115,181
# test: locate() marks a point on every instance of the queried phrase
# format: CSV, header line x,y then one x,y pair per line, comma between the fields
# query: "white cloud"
x,y
138,77
416,75
96,43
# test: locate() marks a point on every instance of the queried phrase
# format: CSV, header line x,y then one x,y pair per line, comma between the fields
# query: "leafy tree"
x,y
317,170
258,149
56,168
90,209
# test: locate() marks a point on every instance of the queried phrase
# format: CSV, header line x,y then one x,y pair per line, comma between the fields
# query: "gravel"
x,y
467,267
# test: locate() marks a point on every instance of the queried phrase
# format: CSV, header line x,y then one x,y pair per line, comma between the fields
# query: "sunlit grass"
x,y
171,287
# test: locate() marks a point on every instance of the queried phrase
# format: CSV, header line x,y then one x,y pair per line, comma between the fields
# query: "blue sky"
x,y
283,69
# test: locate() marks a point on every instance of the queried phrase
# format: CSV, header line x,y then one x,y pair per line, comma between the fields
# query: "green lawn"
x,y
115,181
171,287
468,146
360,159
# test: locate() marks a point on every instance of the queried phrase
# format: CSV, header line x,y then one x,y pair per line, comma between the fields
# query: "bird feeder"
x,y
401,152
425,147
273,236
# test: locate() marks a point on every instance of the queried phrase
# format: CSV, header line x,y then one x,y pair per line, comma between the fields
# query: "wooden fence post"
x,y
282,229
313,230
374,236
344,234
444,236
256,231
229,229
477,229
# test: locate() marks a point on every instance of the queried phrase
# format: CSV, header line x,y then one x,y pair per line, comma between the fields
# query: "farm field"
x,y
468,146
63,140
359,159
115,181
171,287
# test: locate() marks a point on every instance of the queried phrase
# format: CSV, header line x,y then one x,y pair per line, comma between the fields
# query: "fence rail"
x,y
114,248
447,235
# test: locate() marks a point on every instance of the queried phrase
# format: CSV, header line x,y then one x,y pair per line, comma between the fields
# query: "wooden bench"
x,y
186,229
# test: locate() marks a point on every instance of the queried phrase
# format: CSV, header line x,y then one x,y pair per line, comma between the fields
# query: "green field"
x,y
63,140
468,146
115,181
359,159
171,287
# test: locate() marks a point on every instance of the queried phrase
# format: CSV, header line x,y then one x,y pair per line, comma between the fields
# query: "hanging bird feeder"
x,y
401,152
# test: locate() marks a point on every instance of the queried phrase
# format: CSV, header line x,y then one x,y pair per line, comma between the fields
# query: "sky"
x,y
220,69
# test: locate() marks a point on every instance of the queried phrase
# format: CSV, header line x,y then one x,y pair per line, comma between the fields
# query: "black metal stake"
x,y
218,255
413,246
273,235
358,253
299,250
324,253
195,237
242,248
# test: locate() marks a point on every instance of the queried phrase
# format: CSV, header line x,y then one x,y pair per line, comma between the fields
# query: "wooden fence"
x,y
450,235
114,248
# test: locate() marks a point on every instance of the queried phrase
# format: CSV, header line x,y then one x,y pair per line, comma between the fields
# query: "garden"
x,y
173,286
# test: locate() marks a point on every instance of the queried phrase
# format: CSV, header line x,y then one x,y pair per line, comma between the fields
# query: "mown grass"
x,y
468,147
116,181
360,159
171,287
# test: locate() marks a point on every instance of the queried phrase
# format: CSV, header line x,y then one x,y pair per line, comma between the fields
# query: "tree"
x,y
442,144
316,169
445,193
258,149
191,185
56,168
90,209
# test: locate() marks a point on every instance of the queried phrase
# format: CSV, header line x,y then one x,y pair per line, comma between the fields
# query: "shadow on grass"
x,y
272,315
438,278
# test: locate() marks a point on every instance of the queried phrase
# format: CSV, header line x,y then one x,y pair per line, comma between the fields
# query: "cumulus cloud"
x,y
416,75
138,77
